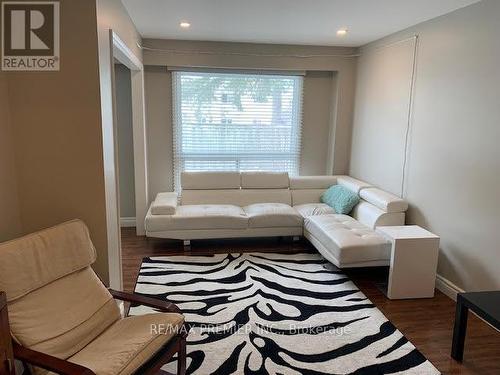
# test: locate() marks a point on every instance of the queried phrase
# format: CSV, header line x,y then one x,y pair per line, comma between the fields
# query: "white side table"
x,y
414,259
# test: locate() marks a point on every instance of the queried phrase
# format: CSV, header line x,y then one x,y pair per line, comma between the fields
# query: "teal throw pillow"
x,y
341,199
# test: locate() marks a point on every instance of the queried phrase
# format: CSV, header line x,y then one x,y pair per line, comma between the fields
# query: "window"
x,y
236,122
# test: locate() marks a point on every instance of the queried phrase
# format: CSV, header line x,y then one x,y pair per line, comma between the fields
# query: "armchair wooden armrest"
x,y
138,299
48,362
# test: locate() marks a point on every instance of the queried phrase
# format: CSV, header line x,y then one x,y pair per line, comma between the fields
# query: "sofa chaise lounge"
x,y
262,204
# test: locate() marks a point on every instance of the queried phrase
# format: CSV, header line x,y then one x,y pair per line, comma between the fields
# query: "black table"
x,y
486,305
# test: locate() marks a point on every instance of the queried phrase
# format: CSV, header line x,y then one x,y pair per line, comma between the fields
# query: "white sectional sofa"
x,y
260,204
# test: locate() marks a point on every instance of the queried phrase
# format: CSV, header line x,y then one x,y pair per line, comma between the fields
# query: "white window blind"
x,y
236,122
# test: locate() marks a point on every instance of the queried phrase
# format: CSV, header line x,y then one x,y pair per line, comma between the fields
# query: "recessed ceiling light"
x,y
341,32
184,24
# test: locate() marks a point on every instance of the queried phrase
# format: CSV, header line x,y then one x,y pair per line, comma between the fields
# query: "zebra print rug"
x,y
269,313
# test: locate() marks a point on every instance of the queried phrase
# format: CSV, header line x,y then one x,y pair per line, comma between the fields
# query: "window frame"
x,y
292,157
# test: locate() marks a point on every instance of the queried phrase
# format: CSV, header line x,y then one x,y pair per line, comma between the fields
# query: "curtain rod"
x,y
302,56
207,69
185,52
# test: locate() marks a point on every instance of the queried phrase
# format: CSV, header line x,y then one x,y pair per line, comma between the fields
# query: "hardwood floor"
x,y
427,323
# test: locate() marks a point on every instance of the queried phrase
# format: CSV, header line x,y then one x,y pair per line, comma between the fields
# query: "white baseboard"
x,y
447,287
127,222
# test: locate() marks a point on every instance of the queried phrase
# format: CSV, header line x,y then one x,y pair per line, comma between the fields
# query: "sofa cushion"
x,y
384,200
164,204
264,215
312,182
199,216
264,180
210,180
346,239
352,183
129,343
312,209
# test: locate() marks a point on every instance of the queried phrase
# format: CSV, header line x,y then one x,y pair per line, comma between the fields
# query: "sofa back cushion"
x,y
240,189
264,180
312,182
304,196
237,197
372,216
352,184
382,199
210,180
308,189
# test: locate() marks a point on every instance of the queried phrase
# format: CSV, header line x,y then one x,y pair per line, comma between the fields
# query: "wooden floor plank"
x,y
427,323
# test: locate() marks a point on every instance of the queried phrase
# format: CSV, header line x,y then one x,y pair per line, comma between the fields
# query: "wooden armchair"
x,y
6,354
63,319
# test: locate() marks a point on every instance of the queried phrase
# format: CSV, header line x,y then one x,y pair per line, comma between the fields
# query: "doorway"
x,y
125,145
129,138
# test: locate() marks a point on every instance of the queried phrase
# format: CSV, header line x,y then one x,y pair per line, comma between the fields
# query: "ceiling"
x,y
313,22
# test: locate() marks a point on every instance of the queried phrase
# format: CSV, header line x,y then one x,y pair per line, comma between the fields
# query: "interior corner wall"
x,y
328,85
452,175
10,221
56,126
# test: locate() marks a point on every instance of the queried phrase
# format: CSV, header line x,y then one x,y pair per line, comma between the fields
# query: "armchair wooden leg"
x,y
181,357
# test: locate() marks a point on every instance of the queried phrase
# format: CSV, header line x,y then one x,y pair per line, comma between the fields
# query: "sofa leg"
x,y
187,245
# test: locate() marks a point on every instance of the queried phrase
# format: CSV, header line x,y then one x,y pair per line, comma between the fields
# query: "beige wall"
x,y
10,221
328,98
454,157
62,154
382,100
158,96
57,134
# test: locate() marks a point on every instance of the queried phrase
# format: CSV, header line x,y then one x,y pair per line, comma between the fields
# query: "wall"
x,y
328,97
123,95
111,15
382,100
317,114
453,157
10,221
57,134
158,92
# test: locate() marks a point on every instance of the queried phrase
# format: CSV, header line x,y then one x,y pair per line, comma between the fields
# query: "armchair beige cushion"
x,y
128,343
57,304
